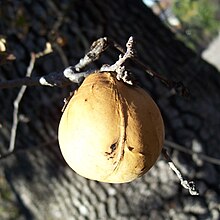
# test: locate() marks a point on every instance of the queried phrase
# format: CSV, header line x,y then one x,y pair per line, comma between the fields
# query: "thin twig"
x,y
61,54
70,75
191,152
16,105
118,66
186,184
28,81
56,79
17,150
178,87
53,33
97,48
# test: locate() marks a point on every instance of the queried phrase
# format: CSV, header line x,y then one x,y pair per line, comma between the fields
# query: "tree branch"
x,y
177,87
191,152
118,66
18,100
97,48
16,106
187,185
58,79
70,75
75,76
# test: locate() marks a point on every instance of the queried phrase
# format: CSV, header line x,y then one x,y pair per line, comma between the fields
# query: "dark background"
x,y
35,182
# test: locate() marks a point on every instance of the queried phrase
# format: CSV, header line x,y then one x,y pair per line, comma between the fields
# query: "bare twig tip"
x,y
186,184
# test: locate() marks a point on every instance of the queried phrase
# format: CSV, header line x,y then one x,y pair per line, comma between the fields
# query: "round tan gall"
x,y
110,131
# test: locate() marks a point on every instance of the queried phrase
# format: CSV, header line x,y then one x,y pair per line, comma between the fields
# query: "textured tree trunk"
x,y
45,187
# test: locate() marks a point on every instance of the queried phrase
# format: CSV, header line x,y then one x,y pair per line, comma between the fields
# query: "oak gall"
x,y
110,131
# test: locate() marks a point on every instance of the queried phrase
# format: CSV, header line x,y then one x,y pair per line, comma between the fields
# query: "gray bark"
x,y
44,186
